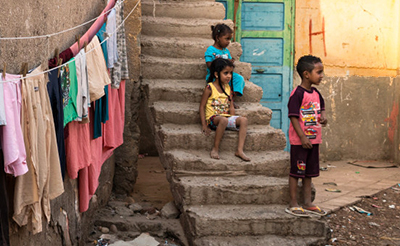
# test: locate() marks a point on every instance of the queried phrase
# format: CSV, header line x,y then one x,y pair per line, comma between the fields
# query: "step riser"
x,y
177,1
278,168
164,69
261,117
230,195
250,94
186,10
259,240
280,227
176,50
175,30
254,142
181,49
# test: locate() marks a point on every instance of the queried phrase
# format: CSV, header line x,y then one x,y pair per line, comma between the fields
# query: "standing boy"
x,y
307,115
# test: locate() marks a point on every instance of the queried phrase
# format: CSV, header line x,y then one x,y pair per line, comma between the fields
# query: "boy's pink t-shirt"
x,y
306,106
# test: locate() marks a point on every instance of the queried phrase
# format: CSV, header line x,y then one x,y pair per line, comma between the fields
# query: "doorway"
x,y
265,29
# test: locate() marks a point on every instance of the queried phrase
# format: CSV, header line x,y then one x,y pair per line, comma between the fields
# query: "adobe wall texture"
x,y
358,44
34,17
127,154
362,117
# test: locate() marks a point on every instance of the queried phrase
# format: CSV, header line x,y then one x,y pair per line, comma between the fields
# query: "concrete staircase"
x,y
227,201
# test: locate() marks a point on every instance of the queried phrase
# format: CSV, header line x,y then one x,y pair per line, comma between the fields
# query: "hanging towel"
x,y
112,40
102,35
120,70
43,182
97,70
83,97
69,87
11,138
56,103
2,109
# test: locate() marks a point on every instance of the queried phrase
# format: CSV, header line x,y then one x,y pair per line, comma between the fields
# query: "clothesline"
x,y
66,63
61,32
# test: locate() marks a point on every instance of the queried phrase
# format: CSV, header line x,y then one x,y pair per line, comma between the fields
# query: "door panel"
x,y
262,16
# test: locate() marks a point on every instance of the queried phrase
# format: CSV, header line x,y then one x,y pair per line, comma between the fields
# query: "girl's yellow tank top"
x,y
218,103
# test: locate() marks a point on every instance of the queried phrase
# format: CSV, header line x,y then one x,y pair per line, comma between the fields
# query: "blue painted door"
x,y
264,28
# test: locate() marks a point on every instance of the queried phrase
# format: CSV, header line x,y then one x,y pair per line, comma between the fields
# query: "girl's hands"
x,y
206,131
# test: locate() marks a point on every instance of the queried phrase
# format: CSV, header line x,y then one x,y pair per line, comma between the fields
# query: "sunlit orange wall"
x,y
358,37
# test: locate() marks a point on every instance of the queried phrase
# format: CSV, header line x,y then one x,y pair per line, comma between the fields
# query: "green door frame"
x,y
287,34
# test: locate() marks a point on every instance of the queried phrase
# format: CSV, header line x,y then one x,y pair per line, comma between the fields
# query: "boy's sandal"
x,y
315,210
297,211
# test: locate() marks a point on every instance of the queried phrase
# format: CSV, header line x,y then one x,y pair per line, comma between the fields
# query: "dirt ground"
x,y
382,227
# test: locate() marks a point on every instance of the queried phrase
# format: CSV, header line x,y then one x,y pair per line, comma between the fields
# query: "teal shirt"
x,y
212,53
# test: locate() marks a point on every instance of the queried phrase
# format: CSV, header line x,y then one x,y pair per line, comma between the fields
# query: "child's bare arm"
x,y
305,142
202,108
324,120
231,107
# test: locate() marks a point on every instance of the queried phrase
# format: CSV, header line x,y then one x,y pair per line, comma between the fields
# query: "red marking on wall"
x,y
393,121
311,34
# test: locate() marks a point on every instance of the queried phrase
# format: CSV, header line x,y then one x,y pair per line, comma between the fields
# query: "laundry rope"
x,y
66,63
61,32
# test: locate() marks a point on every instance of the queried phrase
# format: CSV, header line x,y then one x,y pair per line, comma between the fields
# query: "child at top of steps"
x,y
216,108
222,35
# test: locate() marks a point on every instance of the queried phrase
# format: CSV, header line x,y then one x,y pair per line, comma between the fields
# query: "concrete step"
x,y
252,189
183,113
172,47
199,9
182,47
182,68
191,91
176,1
268,240
130,224
259,138
190,163
248,220
172,27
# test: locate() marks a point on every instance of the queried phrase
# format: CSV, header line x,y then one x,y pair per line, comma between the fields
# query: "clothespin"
x,y
4,71
24,69
58,64
57,54
105,17
85,45
78,40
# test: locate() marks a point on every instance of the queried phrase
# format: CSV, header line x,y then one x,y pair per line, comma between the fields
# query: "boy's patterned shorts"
x,y
304,162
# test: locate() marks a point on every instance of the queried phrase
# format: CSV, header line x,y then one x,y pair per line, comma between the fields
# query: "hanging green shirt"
x,y
69,86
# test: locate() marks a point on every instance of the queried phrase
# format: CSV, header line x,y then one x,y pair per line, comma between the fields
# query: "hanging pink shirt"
x,y
11,138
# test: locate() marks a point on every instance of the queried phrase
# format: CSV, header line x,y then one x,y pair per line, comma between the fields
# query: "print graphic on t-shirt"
x,y
309,113
219,106
225,56
301,167
65,84
310,133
